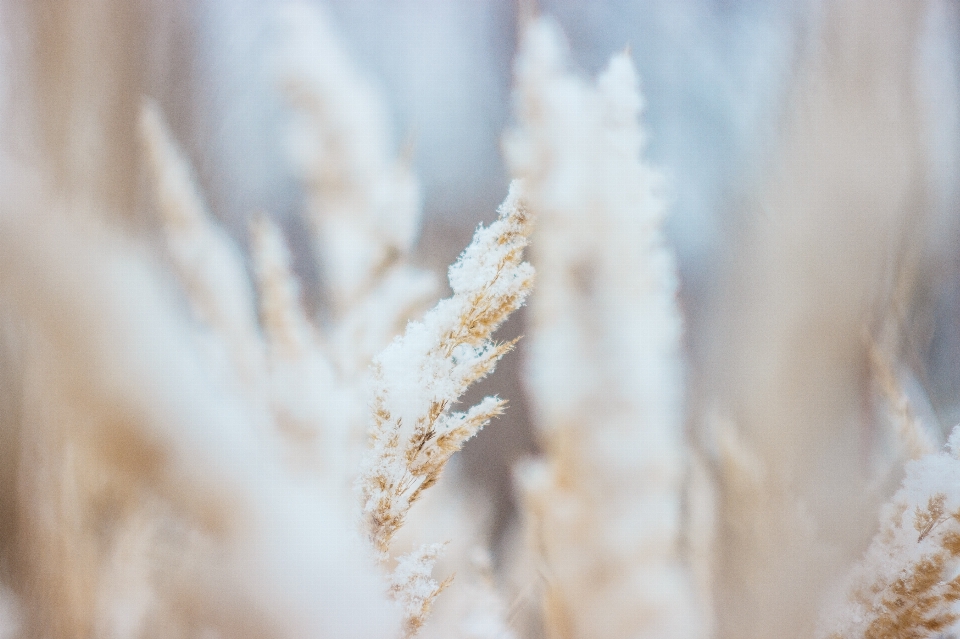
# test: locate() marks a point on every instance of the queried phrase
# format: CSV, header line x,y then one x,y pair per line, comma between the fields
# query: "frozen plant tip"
x,y
421,375
907,586
414,587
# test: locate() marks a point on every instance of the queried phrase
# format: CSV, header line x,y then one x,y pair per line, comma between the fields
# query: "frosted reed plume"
x,y
283,365
419,378
907,584
604,361
311,376
473,605
182,422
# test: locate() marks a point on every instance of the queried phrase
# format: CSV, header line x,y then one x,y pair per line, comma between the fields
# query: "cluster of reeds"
x,y
202,437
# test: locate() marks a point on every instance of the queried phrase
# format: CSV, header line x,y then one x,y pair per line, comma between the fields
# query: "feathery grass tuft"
x,y
422,374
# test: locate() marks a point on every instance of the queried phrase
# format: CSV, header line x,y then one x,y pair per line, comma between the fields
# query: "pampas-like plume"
x,y
421,375
364,204
319,412
206,260
312,378
907,584
359,199
604,362
283,366
472,605
285,324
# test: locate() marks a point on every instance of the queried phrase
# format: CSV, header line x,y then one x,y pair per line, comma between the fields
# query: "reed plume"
x,y
604,365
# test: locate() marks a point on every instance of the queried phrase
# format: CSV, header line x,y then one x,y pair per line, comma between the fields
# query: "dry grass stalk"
x,y
421,376
314,385
459,513
102,446
314,376
318,411
362,201
910,430
285,324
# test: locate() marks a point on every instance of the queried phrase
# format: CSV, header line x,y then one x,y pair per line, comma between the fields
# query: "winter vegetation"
x,y
603,362
719,292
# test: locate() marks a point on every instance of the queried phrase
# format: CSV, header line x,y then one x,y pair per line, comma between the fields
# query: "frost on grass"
x,y
907,585
604,361
413,586
311,375
422,374
139,442
472,605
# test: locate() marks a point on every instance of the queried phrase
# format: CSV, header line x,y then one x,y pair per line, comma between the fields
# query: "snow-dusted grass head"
x,y
907,584
422,374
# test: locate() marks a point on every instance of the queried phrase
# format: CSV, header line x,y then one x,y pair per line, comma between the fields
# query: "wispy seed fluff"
x,y
604,370
422,374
